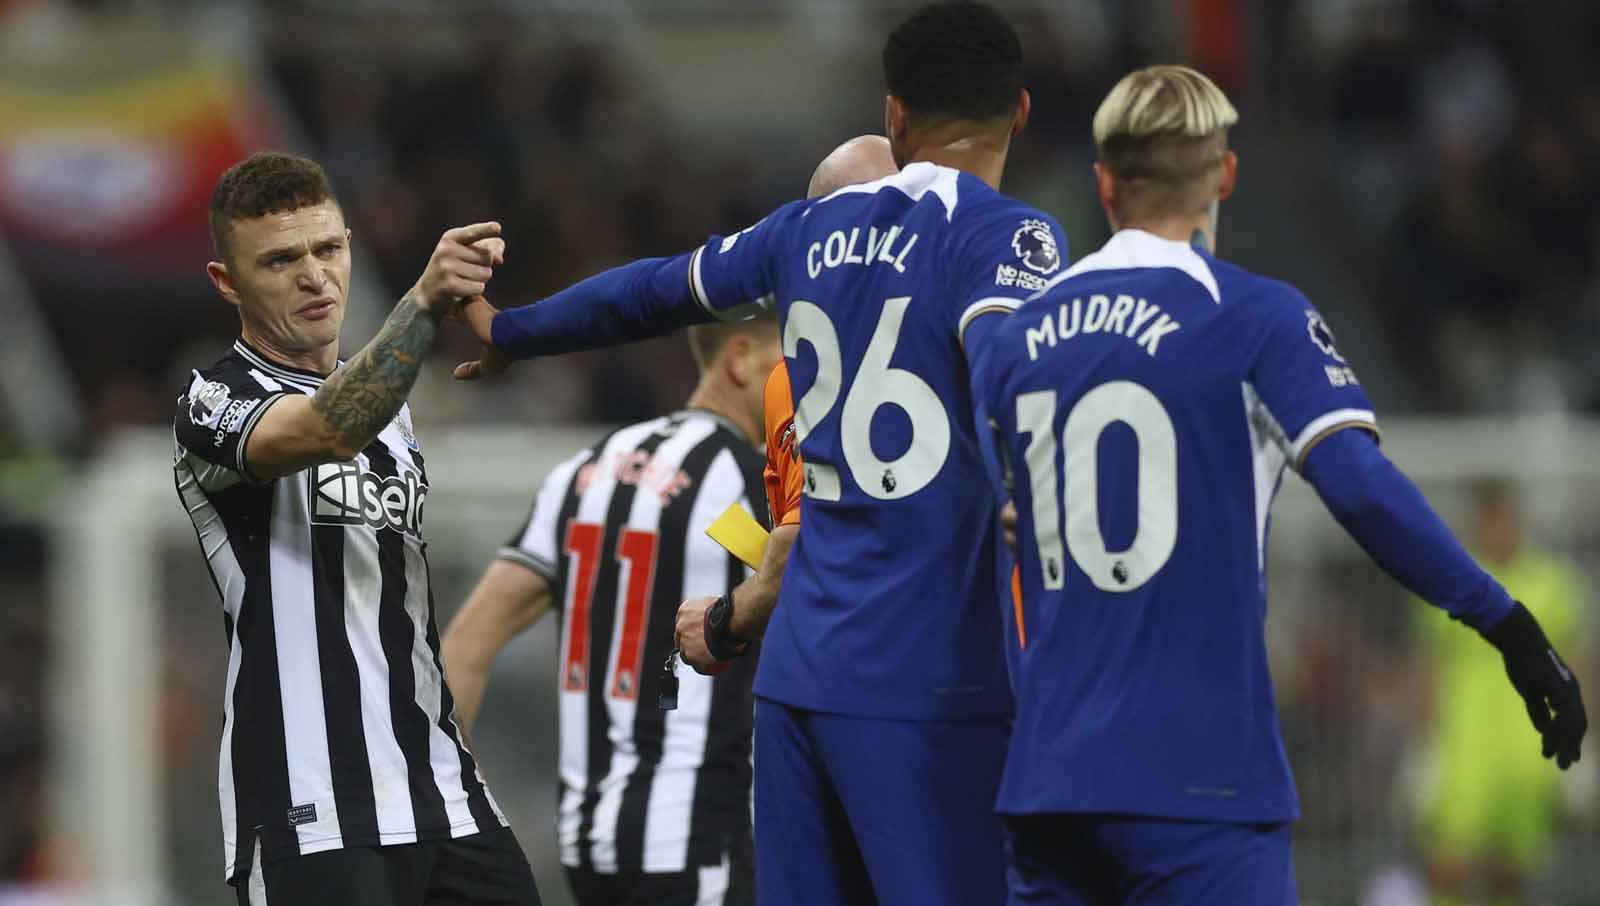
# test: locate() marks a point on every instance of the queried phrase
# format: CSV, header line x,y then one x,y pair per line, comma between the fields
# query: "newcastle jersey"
x,y
619,530
337,725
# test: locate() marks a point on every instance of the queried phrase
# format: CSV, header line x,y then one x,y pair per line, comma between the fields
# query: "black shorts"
x,y
731,883
485,868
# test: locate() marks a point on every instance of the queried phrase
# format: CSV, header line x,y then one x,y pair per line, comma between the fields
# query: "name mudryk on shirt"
x,y
1139,320
856,245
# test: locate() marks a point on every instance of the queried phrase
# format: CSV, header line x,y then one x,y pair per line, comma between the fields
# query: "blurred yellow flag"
x,y
740,534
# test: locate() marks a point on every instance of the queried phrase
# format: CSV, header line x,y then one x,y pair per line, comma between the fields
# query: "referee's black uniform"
x,y
655,805
340,755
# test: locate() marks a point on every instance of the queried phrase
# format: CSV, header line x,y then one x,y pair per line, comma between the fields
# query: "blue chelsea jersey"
x,y
888,605
1146,404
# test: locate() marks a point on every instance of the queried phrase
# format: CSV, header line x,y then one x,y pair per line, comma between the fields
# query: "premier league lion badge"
x,y
1321,335
1035,244
205,407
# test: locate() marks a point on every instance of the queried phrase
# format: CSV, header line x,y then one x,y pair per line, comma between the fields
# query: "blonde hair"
x,y
706,340
1162,131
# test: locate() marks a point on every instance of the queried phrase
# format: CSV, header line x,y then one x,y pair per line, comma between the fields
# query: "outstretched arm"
x,y
636,301
363,396
725,279
1391,520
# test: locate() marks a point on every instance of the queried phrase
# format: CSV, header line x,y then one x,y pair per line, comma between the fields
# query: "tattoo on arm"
x,y
367,392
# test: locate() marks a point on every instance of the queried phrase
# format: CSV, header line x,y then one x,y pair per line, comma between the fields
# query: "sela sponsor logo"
x,y
1036,246
343,493
232,418
205,407
1006,275
1321,335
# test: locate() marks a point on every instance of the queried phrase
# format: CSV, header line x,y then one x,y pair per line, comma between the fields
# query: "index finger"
x,y
467,235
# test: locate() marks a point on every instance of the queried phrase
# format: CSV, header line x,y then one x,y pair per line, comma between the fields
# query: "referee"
x,y
343,777
655,805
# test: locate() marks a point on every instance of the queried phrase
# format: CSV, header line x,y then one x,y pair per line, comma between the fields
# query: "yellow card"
x,y
740,534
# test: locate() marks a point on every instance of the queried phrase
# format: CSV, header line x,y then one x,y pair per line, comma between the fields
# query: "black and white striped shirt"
x,y
337,726
619,530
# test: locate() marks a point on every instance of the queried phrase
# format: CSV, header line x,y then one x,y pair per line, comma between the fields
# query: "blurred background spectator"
x,y
1490,804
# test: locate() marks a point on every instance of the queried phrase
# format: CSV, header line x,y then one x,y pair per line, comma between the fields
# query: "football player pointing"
x,y
1148,402
342,775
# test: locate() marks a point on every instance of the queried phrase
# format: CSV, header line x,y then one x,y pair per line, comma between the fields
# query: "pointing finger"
x,y
469,235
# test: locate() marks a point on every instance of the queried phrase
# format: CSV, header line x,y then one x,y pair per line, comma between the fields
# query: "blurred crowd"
x,y
1427,170
1469,139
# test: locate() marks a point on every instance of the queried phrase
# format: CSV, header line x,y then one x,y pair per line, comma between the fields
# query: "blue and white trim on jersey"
x,y
697,289
1324,425
1004,305
1136,248
915,181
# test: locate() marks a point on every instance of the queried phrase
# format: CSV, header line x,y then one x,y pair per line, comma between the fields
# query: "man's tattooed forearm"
x,y
370,388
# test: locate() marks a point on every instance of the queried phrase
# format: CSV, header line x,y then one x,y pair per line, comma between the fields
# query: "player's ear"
x,y
223,281
1230,175
894,119
1106,187
749,359
1024,109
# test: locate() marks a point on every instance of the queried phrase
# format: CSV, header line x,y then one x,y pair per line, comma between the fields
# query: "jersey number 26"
x,y
874,385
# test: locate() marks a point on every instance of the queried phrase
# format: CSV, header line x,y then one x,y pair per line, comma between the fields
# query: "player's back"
x,y
888,606
1144,400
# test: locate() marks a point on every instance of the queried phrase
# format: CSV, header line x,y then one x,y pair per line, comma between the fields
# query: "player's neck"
x,y
981,155
321,360
1193,229
718,399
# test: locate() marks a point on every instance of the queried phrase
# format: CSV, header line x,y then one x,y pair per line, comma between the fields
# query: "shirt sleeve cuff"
x,y
532,561
244,436
1325,425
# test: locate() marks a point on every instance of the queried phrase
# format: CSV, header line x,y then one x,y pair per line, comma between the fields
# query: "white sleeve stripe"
x,y
527,558
250,426
984,306
1321,425
697,287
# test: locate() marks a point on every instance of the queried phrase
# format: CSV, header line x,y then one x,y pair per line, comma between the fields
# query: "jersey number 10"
x,y
1157,534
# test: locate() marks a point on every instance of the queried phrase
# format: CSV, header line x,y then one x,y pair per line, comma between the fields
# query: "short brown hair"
x,y
706,340
1162,132
266,182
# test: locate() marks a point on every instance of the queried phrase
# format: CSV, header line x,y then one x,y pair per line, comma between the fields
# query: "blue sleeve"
x,y
1004,254
729,278
1301,377
1391,520
636,301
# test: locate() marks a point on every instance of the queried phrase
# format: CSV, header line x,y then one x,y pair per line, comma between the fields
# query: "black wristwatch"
x,y
720,640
